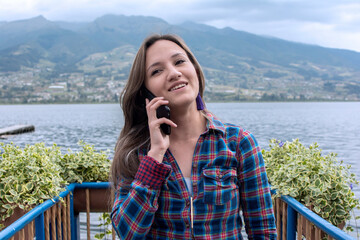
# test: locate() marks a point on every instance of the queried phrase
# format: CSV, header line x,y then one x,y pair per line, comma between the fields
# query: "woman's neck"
x,y
190,124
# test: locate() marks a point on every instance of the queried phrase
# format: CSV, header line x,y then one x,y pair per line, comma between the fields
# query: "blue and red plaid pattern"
x,y
228,175
157,170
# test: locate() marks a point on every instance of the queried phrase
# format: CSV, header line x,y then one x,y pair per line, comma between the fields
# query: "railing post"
x,y
291,223
39,227
74,220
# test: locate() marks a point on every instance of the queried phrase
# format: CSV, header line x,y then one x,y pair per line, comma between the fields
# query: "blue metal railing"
x,y
37,214
294,207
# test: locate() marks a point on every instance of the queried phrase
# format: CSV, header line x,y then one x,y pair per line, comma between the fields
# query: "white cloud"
x,y
329,23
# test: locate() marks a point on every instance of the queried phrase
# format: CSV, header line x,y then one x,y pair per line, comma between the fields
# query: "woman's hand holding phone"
x,y
158,139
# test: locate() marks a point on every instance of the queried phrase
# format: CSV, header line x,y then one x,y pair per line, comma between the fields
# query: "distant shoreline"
x,y
250,101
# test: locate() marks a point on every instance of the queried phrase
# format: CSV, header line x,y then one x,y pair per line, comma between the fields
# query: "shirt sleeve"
x,y
255,194
135,206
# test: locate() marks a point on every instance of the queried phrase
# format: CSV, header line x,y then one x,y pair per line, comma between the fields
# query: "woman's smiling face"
x,y
170,73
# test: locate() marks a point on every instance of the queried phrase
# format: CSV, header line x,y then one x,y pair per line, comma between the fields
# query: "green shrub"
x,y
37,173
320,182
28,176
87,165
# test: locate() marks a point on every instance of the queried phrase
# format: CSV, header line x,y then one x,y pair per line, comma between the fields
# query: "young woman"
x,y
194,182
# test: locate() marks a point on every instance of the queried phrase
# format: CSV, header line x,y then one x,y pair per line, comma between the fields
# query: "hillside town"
x,y
30,86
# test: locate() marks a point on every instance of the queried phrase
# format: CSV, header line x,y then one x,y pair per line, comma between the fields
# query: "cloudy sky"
x,y
328,23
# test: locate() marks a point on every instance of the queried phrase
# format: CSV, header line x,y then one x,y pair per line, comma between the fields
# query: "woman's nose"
x,y
174,73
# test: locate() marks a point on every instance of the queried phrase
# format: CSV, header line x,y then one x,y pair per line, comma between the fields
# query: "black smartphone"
x,y
162,111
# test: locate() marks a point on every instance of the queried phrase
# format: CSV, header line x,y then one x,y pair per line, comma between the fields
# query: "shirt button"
x,y
187,225
187,203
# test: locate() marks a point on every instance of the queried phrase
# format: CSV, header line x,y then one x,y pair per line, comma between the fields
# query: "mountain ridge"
x,y
253,65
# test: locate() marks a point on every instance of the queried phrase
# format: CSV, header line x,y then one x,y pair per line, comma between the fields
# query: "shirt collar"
x,y
214,123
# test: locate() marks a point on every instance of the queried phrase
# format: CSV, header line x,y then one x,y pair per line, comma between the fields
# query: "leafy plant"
x,y
320,182
105,220
87,165
36,173
28,176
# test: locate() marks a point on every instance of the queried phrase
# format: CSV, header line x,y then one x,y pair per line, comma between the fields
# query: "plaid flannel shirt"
x,y
228,175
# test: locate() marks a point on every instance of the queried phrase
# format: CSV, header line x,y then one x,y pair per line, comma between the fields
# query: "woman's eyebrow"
x,y
152,65
177,54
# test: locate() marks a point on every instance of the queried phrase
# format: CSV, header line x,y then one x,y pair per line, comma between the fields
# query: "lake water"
x,y
335,126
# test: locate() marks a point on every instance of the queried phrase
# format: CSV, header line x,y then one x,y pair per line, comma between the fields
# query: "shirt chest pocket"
x,y
220,185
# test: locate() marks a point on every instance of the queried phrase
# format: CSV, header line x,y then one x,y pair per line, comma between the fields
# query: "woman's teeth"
x,y
178,86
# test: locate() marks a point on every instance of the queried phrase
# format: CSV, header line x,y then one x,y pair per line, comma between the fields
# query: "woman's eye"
x,y
155,72
179,61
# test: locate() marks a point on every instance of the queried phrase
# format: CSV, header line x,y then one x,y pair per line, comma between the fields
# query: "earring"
x,y
199,102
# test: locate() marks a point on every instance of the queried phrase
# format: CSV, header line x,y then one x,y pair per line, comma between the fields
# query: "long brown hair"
x,y
135,133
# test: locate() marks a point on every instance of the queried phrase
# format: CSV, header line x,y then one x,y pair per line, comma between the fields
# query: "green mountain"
x,y
238,65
